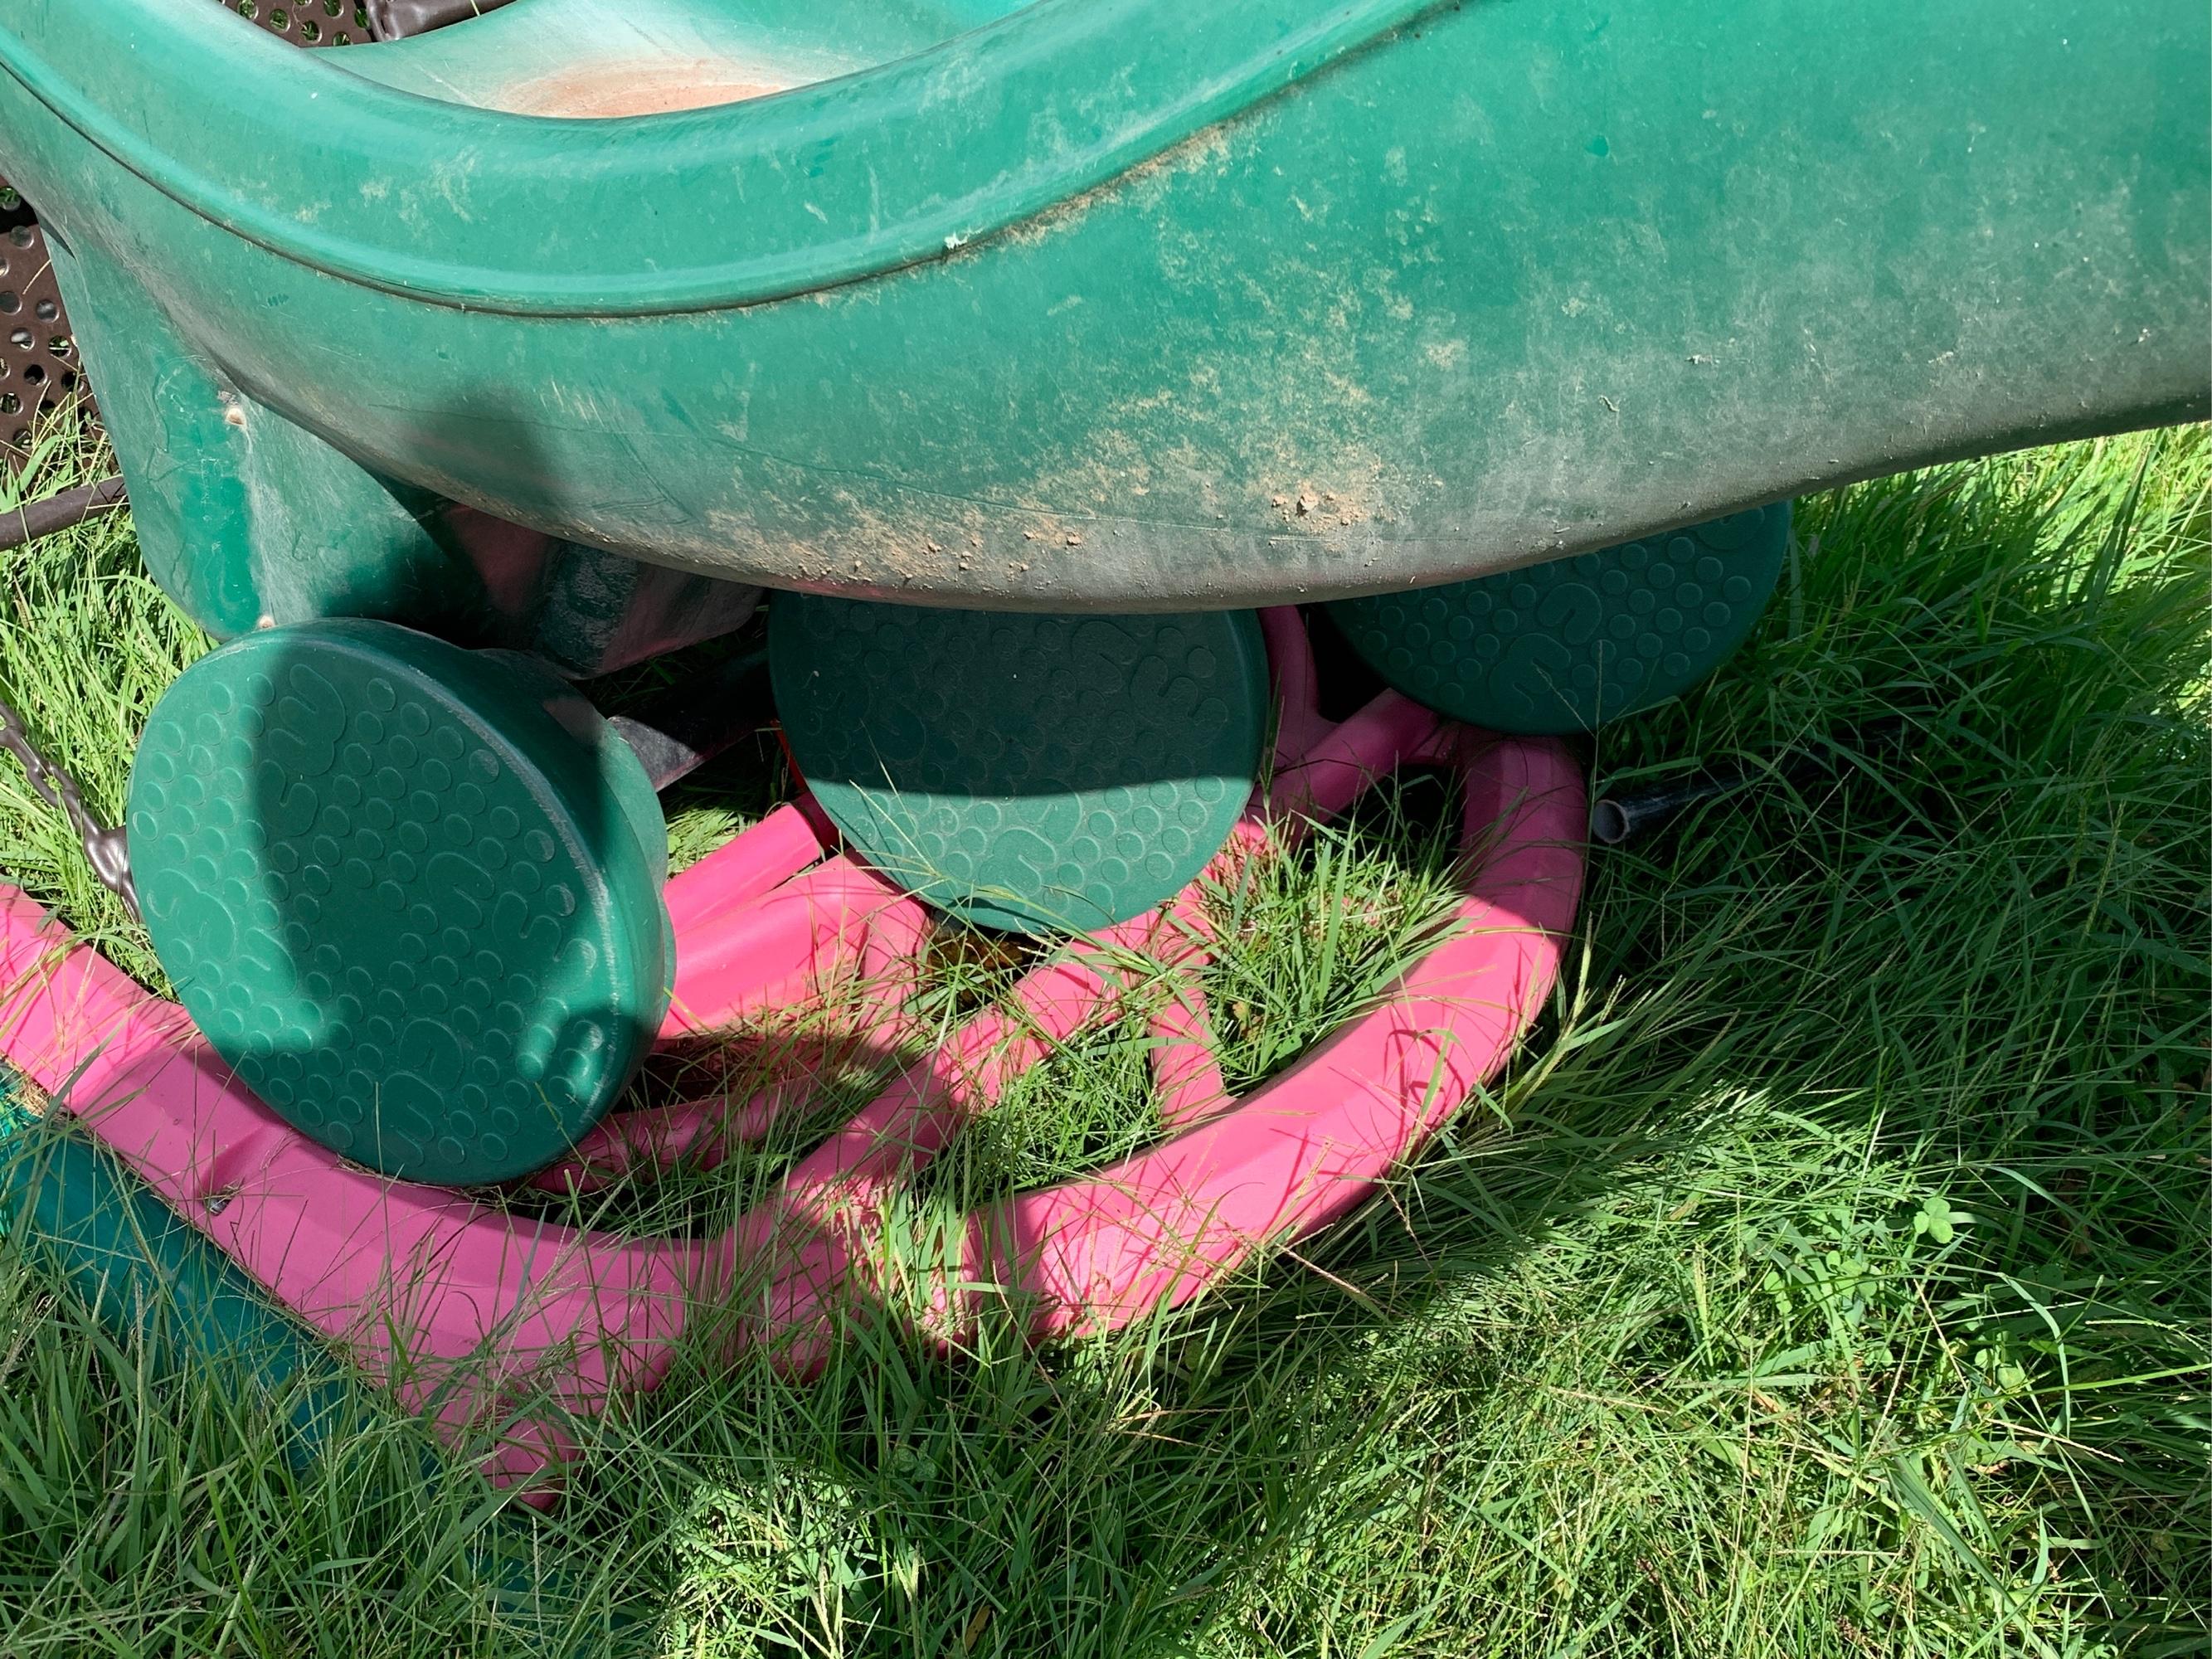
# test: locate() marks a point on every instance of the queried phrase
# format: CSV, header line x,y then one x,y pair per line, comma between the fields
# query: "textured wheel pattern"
x,y
1024,772
1566,645
378,908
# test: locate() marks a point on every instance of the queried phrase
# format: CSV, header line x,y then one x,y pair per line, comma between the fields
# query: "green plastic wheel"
x,y
1023,772
410,893
1566,646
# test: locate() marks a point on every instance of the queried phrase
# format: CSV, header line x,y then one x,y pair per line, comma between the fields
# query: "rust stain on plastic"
x,y
643,85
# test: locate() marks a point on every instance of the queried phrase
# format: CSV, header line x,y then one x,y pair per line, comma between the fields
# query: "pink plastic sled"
x,y
483,1317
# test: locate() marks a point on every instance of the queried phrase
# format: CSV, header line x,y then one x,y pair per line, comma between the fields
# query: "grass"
x,y
1827,1278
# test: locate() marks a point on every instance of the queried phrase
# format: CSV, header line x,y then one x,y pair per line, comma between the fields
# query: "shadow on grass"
x,y
1828,1293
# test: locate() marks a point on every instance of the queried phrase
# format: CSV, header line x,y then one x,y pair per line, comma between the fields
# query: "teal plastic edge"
x,y
822,185
149,1276
137,1265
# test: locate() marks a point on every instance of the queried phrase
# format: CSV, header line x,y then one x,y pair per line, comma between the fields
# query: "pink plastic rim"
x,y
503,1328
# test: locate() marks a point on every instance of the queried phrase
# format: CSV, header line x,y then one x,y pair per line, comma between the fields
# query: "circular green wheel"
x,y
1023,772
1566,646
410,893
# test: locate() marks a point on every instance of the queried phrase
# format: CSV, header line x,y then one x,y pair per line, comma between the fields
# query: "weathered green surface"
x,y
1133,304
248,520
410,892
1029,773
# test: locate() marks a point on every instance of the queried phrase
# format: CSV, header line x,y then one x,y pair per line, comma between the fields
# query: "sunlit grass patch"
x,y
1827,1278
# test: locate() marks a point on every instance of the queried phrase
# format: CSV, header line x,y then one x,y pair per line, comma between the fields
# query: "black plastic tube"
x,y
688,725
1618,817
396,20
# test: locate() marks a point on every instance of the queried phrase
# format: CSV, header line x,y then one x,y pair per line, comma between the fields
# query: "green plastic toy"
x,y
1090,304
153,1280
410,892
1024,772
1567,646
1508,329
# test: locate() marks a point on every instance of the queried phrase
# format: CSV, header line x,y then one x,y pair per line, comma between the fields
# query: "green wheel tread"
x,y
1023,772
419,917
1567,646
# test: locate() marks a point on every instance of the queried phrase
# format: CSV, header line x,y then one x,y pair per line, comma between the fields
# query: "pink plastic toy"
x,y
482,1316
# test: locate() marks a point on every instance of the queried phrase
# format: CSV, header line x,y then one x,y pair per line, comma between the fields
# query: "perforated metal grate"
x,y
309,22
38,372
38,357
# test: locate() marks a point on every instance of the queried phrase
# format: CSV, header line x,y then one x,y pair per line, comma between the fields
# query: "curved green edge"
x,y
1023,773
149,1276
1523,279
1565,647
911,159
